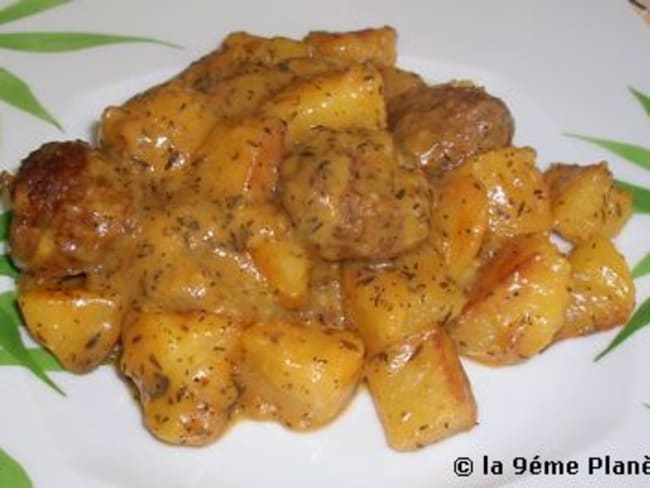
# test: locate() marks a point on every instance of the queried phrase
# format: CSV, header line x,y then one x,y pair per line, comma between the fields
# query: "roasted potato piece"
x,y
602,289
585,201
181,365
338,99
80,327
376,45
518,196
442,125
350,196
420,390
460,222
266,51
191,254
240,159
398,81
323,305
71,205
285,264
301,376
517,303
158,130
240,53
388,301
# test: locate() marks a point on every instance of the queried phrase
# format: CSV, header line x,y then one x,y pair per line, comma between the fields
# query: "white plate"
x,y
561,66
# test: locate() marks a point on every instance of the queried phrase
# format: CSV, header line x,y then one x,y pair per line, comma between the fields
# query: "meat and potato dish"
x,y
287,220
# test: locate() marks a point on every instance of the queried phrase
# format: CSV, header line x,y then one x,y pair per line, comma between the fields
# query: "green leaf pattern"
x,y
642,268
24,8
16,92
639,320
52,42
12,474
641,196
12,343
643,99
639,156
635,154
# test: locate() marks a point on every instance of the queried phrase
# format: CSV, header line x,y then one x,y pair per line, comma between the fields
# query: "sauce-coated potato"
x,y
420,390
517,303
518,196
181,365
602,289
586,202
299,375
80,327
387,301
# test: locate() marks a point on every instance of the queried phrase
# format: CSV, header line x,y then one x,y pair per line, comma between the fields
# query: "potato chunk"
x,y
240,160
460,222
586,202
286,266
386,302
182,367
158,130
420,390
301,376
79,327
602,289
350,97
517,303
518,196
377,45
398,81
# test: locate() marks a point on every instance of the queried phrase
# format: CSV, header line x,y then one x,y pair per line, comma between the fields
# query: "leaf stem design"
x,y
639,320
5,220
642,268
641,196
643,99
11,341
25,8
12,474
41,356
635,154
51,42
7,267
16,92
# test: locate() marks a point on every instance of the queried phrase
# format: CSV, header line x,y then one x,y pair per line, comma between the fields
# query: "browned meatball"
x,y
70,204
444,124
351,195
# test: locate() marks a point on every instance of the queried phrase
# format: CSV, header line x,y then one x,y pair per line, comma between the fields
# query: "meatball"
x,y
70,205
350,195
444,124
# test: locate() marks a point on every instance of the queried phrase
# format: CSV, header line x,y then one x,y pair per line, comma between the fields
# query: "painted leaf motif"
x,y
25,8
41,356
16,92
11,341
67,41
5,219
635,154
643,99
642,268
639,320
641,196
7,267
12,474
